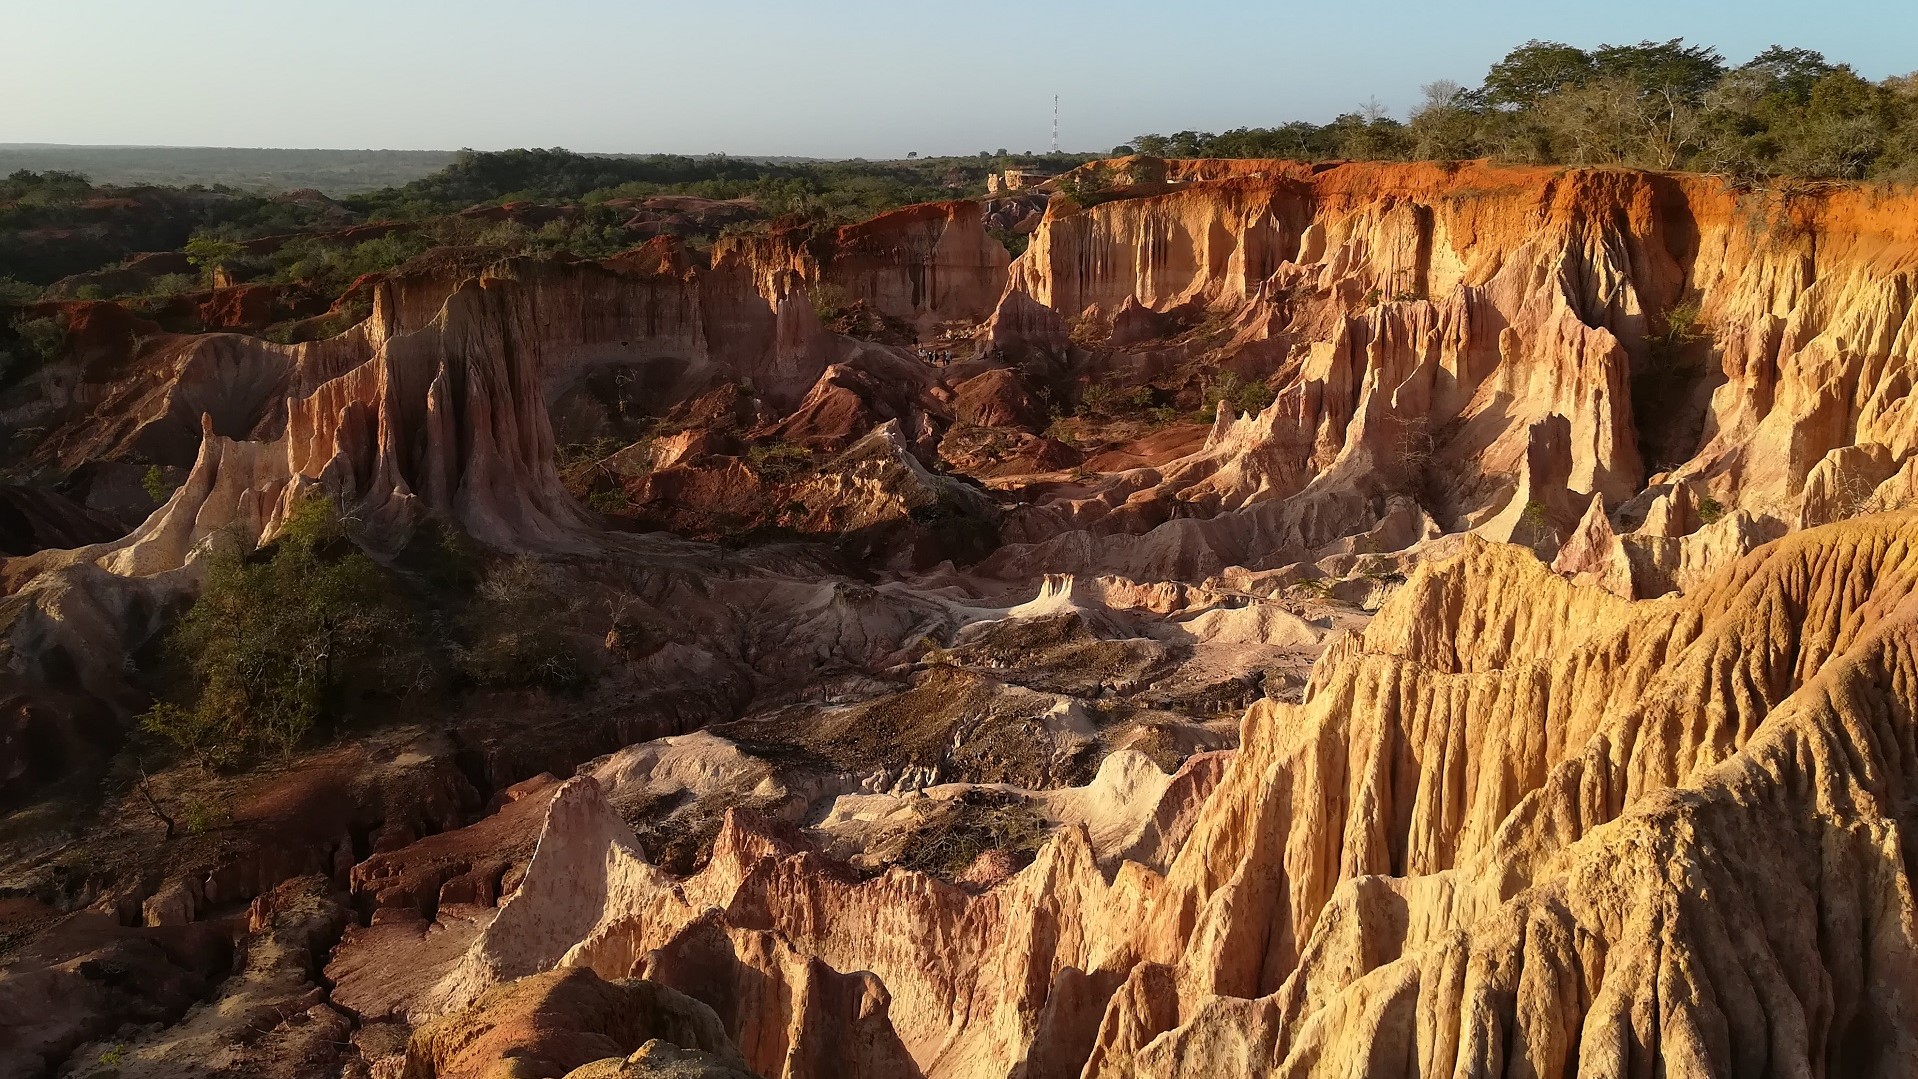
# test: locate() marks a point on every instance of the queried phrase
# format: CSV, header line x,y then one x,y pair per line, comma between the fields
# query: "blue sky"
x,y
831,78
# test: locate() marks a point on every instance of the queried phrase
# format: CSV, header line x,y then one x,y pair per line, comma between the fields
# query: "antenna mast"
x,y
1055,123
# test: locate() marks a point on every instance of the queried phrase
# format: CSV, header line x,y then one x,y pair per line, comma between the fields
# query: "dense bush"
x,y
14,290
29,343
1246,397
284,640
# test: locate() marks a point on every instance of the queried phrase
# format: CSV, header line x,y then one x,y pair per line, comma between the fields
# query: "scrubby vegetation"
x,y
955,834
780,462
517,631
284,640
1656,104
1226,387
28,343
310,633
55,224
336,172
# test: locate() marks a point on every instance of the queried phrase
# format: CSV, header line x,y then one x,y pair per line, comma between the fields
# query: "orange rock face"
x,y
1591,491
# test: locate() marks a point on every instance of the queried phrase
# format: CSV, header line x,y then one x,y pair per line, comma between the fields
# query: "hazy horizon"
x,y
855,78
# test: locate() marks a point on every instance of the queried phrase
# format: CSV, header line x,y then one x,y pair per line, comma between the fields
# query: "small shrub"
x,y
156,484
1086,189
580,467
167,286
1710,510
779,462
203,815
13,290
1681,322
37,341
611,501
1116,403
829,301
1672,369
1246,397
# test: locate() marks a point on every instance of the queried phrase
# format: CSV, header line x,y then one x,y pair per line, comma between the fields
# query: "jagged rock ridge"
x,y
1529,819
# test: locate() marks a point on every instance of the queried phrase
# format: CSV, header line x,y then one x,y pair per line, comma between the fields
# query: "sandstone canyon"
x,y
1291,620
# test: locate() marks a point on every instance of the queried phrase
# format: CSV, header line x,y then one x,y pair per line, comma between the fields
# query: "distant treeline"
x,y
57,222
335,172
1655,105
825,190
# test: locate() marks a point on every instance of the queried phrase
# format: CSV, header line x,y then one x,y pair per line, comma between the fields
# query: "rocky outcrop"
x,y
550,1024
1572,780
269,1018
1497,298
90,976
924,264
1614,781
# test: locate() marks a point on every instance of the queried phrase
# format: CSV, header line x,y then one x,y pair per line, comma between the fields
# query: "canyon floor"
x,y
1332,620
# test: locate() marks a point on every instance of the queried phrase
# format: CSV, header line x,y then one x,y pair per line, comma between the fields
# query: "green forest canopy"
x,y
1656,105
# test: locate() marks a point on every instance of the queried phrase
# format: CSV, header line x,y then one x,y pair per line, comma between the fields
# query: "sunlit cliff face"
x,y
1506,669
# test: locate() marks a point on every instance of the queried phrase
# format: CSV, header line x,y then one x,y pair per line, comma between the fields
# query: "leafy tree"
x,y
1654,104
1445,126
1670,69
47,188
36,341
1534,70
207,253
1786,73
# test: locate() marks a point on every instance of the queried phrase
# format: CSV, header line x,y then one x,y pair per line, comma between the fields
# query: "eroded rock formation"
x,y
1555,526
